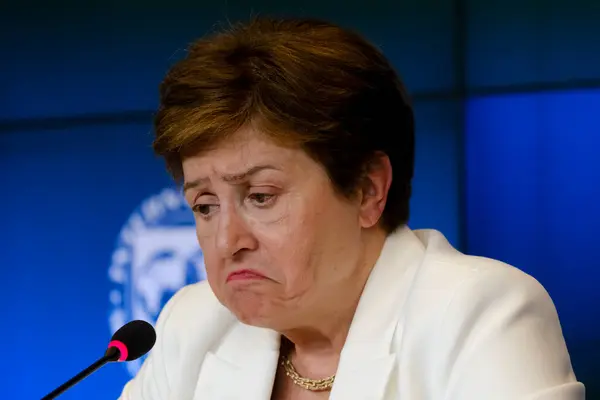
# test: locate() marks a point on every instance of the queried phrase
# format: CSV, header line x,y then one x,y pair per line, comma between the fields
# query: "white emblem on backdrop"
x,y
156,254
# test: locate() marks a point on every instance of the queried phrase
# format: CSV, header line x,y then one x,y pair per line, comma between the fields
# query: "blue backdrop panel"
x,y
533,184
66,195
79,58
530,41
438,179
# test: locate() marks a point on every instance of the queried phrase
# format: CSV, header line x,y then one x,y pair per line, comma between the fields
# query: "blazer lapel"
x,y
243,366
368,360
363,378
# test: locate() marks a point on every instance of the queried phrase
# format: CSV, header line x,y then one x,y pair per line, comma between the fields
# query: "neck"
x,y
324,334
322,340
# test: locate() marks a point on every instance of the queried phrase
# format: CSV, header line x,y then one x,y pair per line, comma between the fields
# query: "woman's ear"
x,y
374,189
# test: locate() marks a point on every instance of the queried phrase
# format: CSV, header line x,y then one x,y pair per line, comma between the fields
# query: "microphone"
x,y
129,343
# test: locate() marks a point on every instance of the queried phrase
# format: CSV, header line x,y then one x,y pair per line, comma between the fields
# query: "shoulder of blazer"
x,y
446,269
447,279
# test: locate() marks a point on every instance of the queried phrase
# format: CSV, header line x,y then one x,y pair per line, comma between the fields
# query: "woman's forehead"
x,y
232,166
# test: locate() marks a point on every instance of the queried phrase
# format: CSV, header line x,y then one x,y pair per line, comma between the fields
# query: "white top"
x,y
432,323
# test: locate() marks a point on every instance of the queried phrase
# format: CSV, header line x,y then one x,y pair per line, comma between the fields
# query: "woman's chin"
x,y
255,317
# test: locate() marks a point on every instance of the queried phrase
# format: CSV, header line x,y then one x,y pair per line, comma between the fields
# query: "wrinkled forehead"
x,y
241,155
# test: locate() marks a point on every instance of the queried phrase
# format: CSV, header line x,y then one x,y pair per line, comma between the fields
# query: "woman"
x,y
294,141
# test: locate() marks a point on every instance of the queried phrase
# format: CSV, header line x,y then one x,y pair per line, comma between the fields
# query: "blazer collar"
x,y
245,364
367,359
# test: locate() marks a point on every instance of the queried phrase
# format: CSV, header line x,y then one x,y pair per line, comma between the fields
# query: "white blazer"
x,y
432,323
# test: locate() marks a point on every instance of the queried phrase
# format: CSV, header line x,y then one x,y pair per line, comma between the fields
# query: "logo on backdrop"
x,y
156,254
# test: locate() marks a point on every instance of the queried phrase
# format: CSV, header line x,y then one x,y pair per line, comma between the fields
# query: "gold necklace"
x,y
315,385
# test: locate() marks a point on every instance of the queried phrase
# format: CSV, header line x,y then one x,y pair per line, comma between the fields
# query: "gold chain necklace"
x,y
315,385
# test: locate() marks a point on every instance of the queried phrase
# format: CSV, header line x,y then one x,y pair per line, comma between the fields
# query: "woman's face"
x,y
278,241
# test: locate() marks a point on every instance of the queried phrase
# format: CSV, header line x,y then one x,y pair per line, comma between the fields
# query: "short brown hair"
x,y
304,82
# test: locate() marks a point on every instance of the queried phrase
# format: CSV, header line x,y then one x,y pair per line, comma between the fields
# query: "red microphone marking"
x,y
122,349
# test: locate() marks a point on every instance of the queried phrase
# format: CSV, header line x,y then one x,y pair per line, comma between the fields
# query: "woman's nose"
x,y
233,233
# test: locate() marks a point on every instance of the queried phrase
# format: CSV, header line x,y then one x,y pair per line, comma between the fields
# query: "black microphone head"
x,y
132,340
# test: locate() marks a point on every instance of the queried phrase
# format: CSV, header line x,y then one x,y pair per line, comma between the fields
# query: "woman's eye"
x,y
262,199
204,209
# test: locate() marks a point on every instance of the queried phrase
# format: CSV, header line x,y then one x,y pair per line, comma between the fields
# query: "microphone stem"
x,y
80,376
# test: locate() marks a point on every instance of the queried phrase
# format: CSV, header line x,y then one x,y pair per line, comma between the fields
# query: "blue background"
x,y
507,97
